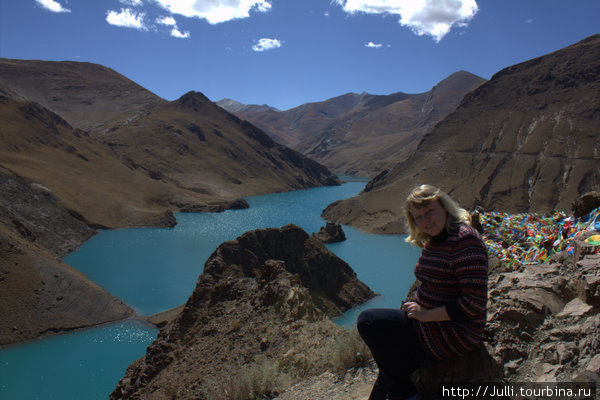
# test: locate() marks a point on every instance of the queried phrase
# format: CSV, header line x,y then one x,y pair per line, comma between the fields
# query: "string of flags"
x,y
529,238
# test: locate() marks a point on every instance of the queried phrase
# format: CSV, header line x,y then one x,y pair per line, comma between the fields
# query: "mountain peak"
x,y
460,77
193,100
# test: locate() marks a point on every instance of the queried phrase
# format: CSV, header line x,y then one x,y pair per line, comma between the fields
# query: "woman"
x,y
446,317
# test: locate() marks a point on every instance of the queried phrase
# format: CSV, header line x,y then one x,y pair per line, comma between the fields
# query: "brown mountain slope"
x,y
83,175
39,294
198,146
361,133
528,140
369,140
90,96
55,184
152,157
293,126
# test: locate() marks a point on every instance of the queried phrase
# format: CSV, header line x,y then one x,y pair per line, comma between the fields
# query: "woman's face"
x,y
431,218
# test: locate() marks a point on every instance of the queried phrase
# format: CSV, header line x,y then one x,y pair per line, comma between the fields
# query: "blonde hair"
x,y
424,195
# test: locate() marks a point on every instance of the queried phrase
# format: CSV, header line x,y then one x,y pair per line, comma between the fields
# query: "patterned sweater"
x,y
453,271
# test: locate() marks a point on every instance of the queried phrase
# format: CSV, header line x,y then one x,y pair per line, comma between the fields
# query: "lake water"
x,y
153,270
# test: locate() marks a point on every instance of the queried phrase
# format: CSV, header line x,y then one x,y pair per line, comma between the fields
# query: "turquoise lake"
x,y
153,270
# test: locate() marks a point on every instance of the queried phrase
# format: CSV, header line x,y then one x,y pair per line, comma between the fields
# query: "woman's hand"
x,y
415,311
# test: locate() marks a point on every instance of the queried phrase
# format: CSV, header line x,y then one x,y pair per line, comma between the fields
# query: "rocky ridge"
x,y
261,304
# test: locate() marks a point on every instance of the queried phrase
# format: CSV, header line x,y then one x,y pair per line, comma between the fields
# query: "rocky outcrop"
x,y
330,233
261,302
212,206
524,141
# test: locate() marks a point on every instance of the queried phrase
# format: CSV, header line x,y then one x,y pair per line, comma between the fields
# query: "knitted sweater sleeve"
x,y
470,265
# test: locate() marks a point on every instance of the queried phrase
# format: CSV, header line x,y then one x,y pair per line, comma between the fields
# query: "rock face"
x,y
360,133
330,233
262,295
526,140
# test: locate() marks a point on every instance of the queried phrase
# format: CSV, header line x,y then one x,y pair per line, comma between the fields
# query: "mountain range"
x,y
84,148
359,134
526,140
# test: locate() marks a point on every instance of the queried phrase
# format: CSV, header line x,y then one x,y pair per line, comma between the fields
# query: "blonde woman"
x,y
446,317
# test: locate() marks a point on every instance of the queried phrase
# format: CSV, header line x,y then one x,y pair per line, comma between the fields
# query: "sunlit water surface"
x,y
153,270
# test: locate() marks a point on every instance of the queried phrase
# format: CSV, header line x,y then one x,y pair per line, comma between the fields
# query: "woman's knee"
x,y
365,321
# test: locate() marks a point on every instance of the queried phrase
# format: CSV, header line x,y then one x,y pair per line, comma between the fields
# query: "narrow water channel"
x,y
153,270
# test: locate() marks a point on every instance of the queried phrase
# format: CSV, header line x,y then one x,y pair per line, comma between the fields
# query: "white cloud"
x,y
266,44
374,45
133,3
175,32
215,11
326,13
425,17
126,18
52,6
170,21
178,34
528,21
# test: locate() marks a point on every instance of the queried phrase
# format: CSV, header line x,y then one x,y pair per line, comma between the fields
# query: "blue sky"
x,y
288,52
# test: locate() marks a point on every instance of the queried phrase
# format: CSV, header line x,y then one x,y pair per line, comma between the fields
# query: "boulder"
x,y
575,309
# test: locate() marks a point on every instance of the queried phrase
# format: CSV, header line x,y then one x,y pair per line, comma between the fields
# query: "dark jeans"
x,y
396,349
